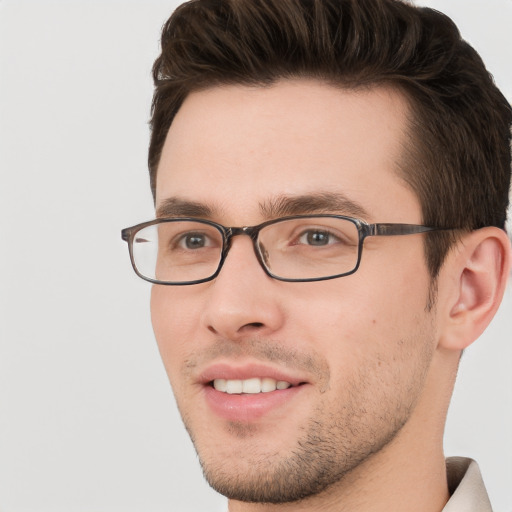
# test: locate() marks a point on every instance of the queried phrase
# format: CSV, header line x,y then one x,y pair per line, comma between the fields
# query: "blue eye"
x,y
317,238
194,241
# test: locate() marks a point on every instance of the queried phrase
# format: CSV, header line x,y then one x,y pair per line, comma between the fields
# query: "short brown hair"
x,y
457,159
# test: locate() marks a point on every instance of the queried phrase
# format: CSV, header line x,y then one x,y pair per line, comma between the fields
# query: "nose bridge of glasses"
x,y
246,230
250,231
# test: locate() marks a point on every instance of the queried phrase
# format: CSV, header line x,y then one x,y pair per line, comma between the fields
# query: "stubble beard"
x,y
330,446
318,462
327,450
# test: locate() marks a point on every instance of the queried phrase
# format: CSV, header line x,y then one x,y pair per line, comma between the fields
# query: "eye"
x,y
317,237
193,241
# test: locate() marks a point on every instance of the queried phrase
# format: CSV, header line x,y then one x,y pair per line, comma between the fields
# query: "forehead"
x,y
236,147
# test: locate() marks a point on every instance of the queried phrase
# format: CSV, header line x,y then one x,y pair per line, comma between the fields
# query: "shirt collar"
x,y
466,487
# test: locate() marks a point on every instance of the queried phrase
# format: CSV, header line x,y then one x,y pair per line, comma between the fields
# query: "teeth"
x,y
220,385
268,385
249,386
233,387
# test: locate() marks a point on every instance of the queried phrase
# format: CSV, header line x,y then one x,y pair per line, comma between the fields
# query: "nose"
x,y
243,300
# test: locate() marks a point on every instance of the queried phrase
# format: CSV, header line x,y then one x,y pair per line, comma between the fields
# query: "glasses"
x,y
184,251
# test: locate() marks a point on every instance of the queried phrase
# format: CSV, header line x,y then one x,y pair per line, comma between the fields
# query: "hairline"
x,y
410,143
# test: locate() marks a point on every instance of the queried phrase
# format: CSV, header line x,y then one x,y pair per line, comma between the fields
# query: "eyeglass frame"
x,y
364,230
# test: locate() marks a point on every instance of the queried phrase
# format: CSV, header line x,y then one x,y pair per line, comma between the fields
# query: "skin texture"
x,y
363,431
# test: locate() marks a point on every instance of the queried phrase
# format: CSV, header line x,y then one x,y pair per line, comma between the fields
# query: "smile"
x,y
249,386
248,392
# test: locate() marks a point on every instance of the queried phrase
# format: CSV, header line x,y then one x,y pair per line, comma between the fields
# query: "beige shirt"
x,y
466,487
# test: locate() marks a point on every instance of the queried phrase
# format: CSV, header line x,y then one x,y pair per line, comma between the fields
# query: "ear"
x,y
473,280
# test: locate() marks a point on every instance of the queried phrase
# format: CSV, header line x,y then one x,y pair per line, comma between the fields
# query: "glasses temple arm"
x,y
389,229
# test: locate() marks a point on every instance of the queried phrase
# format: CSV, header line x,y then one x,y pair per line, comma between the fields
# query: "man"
x,y
331,182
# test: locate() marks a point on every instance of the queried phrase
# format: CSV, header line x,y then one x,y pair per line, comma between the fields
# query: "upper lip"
x,y
231,371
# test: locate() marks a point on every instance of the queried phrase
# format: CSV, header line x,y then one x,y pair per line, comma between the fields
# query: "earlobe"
x,y
479,270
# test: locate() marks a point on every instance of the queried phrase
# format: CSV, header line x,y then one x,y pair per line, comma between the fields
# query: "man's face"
x,y
356,350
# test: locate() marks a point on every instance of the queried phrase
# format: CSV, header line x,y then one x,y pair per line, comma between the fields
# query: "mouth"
x,y
250,386
250,392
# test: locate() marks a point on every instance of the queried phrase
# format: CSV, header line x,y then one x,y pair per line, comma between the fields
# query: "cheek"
x,y
394,289
378,345
173,324
362,312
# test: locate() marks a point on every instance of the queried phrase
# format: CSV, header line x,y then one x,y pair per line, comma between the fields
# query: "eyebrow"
x,y
280,206
323,202
176,207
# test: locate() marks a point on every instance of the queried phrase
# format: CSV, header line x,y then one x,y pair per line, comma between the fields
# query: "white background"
x,y
87,419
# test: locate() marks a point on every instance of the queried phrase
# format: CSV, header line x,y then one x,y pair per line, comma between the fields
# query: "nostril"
x,y
255,325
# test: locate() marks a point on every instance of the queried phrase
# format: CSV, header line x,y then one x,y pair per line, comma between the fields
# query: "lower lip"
x,y
248,407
